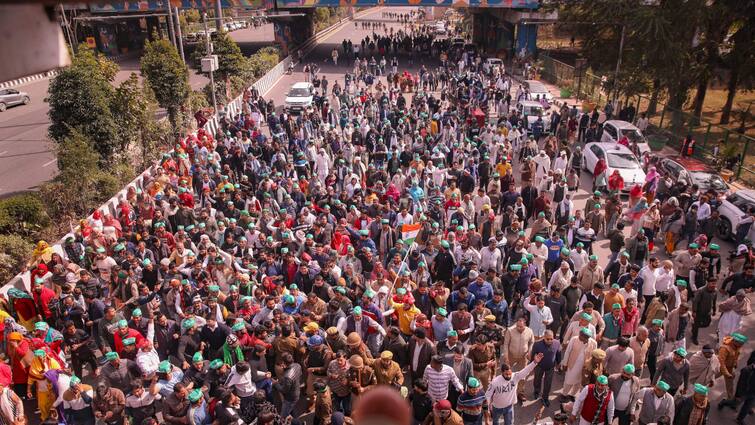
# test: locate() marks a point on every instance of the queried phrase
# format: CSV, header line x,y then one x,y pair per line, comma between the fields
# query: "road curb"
x,y
27,79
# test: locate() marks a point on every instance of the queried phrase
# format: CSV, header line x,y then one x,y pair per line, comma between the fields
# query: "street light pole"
x,y
218,16
179,36
212,78
618,65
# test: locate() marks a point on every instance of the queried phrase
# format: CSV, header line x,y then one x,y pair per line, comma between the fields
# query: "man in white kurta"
x,y
577,353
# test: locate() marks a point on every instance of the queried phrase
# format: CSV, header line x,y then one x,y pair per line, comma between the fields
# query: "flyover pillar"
x,y
292,31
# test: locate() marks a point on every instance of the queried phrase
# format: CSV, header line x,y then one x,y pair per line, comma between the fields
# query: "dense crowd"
x,y
389,236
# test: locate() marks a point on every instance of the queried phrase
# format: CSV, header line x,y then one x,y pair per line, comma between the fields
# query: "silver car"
x,y
12,97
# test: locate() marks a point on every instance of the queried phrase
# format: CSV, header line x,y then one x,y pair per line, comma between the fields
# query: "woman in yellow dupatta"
x,y
40,364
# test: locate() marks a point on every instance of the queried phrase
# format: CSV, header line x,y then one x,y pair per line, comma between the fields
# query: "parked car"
x,y
12,97
733,209
531,110
299,98
614,130
692,171
618,157
536,88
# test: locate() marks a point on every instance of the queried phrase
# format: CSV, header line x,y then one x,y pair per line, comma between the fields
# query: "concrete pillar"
x,y
295,30
526,38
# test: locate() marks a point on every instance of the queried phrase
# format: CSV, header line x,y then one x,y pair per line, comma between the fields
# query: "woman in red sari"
x,y
615,182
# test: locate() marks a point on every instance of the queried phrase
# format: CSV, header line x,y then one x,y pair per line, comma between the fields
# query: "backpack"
x,y
55,308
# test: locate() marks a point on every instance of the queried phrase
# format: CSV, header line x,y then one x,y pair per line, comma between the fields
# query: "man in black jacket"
x,y
288,384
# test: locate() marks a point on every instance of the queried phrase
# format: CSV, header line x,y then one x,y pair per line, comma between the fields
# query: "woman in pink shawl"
x,y
651,184
344,244
392,192
615,182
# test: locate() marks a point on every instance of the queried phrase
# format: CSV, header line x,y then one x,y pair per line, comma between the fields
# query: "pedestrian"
x,y
551,350
501,392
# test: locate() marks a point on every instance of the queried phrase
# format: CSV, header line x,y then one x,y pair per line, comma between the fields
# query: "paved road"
x,y
27,158
526,413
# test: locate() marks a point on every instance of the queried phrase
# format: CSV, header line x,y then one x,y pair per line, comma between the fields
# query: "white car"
x,y
617,157
733,209
491,63
299,98
538,89
532,110
614,130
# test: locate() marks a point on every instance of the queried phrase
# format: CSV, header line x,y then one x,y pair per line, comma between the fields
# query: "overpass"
x,y
499,26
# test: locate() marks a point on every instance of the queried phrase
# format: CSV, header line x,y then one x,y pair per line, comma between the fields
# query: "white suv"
x,y
299,98
614,130
733,209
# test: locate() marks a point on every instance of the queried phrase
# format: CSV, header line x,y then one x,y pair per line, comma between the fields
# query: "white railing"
x,y
263,85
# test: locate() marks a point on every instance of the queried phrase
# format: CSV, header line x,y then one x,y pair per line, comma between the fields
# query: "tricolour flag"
x,y
409,233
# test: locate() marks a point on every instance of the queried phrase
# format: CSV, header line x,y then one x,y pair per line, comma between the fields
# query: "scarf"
x,y
742,308
228,355
697,415
601,401
8,411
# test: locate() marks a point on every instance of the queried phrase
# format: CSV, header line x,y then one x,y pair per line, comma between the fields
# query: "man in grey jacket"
x,y
656,402
624,386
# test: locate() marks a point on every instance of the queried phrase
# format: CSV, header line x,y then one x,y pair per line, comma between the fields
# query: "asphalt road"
x,y
27,158
526,413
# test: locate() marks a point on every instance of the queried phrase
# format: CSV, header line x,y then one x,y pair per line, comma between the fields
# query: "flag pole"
x,y
403,261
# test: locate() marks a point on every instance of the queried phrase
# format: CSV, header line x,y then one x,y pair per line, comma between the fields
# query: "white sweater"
x,y
502,392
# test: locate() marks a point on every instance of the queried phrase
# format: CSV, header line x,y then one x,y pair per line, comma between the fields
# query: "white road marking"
x,y
48,163
3,153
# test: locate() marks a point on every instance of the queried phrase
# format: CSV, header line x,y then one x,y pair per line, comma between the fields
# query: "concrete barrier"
x,y
265,83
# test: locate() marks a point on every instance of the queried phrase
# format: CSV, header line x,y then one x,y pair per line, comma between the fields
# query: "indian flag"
x,y
409,233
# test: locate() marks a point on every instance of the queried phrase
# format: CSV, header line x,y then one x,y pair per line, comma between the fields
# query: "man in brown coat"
x,y
109,404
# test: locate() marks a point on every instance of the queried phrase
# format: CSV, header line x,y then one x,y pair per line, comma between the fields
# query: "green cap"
x,y
357,311
39,281
616,286
565,251
75,380
663,385
188,323
540,214
586,316
369,293
693,246
603,379
580,245
681,352
657,322
736,336
593,257
615,306
701,389
442,311
146,262
524,261
516,267
40,353
284,250
539,239
625,254
41,326
215,364
129,341
681,282
341,290
119,247
629,368
164,367
137,312
714,247
597,193
195,395
197,358
364,232
213,288
452,333
111,355
238,327
122,323
586,331
401,291
473,382
444,243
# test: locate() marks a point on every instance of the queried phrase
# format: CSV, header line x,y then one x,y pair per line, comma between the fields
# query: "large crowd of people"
x,y
392,236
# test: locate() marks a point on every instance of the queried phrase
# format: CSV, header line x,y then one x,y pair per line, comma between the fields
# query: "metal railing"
x,y
716,145
263,85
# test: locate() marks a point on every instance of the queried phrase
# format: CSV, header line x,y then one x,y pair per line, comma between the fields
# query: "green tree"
x,y
739,60
79,98
231,62
167,77
134,112
14,252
